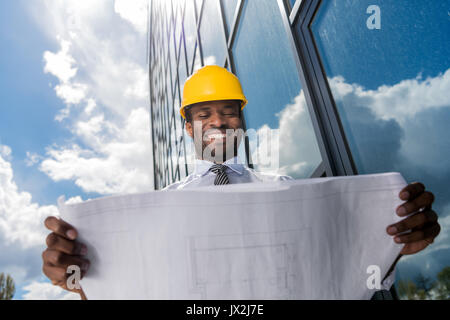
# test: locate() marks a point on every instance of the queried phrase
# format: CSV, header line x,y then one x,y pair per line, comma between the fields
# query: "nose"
x,y
216,120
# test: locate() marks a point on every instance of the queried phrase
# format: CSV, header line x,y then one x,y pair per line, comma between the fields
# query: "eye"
x,y
229,112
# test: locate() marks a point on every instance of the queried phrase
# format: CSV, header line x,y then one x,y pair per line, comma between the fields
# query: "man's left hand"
x,y
422,223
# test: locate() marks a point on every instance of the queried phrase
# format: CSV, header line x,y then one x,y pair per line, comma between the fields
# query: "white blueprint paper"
x,y
301,239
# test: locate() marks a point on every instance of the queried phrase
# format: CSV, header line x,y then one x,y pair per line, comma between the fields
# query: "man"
x,y
212,106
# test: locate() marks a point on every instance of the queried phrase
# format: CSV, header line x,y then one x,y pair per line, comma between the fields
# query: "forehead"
x,y
215,104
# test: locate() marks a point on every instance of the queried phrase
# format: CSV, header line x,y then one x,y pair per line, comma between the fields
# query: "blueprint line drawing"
x,y
269,259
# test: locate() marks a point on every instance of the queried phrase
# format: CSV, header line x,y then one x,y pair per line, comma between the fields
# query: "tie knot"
x,y
218,168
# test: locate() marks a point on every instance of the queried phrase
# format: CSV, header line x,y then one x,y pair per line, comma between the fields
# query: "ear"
x,y
188,128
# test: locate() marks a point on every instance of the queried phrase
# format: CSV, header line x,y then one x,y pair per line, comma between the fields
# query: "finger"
x,y
69,247
60,227
61,260
58,276
55,274
411,191
414,247
414,221
425,200
419,235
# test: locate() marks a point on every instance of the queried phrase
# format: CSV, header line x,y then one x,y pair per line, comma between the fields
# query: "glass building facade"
x,y
349,86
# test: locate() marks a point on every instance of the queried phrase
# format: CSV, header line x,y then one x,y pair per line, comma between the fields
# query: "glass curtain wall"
x,y
344,86
250,39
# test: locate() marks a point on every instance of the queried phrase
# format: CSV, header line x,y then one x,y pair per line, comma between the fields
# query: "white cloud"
x,y
416,107
210,60
117,158
71,93
401,101
297,147
22,231
73,200
47,291
91,105
21,220
5,151
133,11
101,66
60,64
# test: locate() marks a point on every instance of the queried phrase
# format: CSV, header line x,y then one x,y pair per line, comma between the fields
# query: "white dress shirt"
x,y
236,172
239,173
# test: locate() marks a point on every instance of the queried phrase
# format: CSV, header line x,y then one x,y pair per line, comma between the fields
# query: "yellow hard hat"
x,y
211,83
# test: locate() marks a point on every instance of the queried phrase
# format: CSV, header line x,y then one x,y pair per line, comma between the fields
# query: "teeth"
x,y
216,136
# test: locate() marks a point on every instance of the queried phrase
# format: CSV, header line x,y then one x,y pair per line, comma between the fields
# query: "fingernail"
x,y
397,239
71,234
404,195
392,230
401,211
83,250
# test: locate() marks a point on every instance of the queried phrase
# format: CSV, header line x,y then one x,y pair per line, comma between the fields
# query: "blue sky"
x,y
29,104
74,90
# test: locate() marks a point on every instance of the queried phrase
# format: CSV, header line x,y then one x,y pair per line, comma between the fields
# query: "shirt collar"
x,y
202,166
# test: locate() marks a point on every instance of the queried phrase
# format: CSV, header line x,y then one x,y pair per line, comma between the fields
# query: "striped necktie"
x,y
221,176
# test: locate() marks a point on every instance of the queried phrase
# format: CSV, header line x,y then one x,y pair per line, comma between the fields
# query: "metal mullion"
x,y
183,35
319,171
173,120
163,72
183,123
225,31
197,31
159,114
234,26
295,10
150,75
177,91
336,137
166,121
182,47
306,83
196,49
168,78
176,80
173,26
169,70
166,74
161,127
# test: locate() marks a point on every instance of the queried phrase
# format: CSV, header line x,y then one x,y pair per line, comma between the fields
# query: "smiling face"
x,y
215,127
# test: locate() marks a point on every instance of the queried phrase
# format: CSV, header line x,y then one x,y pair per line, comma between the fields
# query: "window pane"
x,y
392,88
212,37
266,67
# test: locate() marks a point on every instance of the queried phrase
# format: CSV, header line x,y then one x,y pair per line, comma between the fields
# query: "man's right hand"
x,y
63,251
